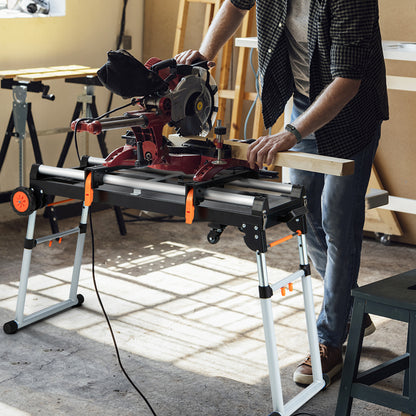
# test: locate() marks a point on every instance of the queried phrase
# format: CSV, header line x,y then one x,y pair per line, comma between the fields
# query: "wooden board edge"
x,y
290,159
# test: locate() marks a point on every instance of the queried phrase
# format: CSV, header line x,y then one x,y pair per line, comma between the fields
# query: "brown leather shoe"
x,y
331,361
369,327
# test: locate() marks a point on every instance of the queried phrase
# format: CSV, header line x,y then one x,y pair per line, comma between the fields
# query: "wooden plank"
x,y
379,220
224,76
401,83
11,73
180,27
290,159
399,204
240,78
399,51
68,67
57,75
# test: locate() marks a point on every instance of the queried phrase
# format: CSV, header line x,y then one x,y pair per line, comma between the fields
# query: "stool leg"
x,y
409,385
352,359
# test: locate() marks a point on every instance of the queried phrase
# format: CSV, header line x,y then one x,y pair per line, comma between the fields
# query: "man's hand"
x,y
191,56
265,148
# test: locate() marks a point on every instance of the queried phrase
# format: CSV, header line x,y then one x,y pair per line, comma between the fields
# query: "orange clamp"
x,y
189,207
88,192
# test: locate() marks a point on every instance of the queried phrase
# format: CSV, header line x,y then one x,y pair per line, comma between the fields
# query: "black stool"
x,y
393,298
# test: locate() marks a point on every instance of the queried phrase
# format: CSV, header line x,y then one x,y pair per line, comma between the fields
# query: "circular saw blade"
x,y
195,103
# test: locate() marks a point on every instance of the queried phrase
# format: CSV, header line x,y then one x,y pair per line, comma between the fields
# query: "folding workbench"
x,y
252,204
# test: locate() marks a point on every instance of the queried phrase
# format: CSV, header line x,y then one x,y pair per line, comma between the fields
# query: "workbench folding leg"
x,y
266,292
74,299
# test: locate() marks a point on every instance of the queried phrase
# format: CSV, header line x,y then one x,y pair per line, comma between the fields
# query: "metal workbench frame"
x,y
252,205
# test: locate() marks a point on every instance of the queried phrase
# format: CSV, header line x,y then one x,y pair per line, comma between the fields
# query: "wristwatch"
x,y
294,130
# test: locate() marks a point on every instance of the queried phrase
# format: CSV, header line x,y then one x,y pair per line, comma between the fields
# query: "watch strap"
x,y
292,129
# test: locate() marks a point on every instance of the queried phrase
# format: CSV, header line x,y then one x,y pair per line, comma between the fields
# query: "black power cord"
x,y
112,332
107,113
304,414
108,320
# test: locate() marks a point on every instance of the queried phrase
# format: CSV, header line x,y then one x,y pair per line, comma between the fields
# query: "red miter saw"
x,y
182,96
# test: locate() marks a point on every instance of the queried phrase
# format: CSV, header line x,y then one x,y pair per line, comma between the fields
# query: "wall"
x,y
160,26
83,36
395,159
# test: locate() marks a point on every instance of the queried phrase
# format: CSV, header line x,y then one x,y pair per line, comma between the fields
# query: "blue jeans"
x,y
335,219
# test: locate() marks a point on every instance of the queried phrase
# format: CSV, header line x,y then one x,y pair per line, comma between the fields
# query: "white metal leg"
x,y
25,269
266,292
310,312
270,336
20,319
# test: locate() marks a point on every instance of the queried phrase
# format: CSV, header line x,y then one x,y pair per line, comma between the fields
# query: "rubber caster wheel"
x,y
213,237
384,239
10,327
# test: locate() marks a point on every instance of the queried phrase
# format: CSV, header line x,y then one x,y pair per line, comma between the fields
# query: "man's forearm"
x,y
327,106
324,109
225,23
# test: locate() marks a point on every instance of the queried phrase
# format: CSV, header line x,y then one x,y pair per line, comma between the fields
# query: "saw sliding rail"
x,y
252,205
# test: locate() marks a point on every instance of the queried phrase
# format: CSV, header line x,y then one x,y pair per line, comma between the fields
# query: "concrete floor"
x,y
186,317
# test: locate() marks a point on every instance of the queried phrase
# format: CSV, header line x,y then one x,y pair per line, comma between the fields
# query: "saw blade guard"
x,y
194,103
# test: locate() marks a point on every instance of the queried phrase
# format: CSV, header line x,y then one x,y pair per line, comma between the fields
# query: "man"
x,y
328,55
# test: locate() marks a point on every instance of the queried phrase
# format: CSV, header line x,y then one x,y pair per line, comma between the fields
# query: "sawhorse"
x,y
31,80
20,116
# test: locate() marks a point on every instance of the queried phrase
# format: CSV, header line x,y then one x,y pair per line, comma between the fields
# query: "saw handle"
x,y
202,64
79,125
97,127
179,69
167,63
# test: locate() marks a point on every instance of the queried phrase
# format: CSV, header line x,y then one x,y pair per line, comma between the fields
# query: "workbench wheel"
x,y
80,300
213,237
10,327
23,201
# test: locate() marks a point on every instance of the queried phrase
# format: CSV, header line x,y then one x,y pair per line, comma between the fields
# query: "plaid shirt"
x,y
343,41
